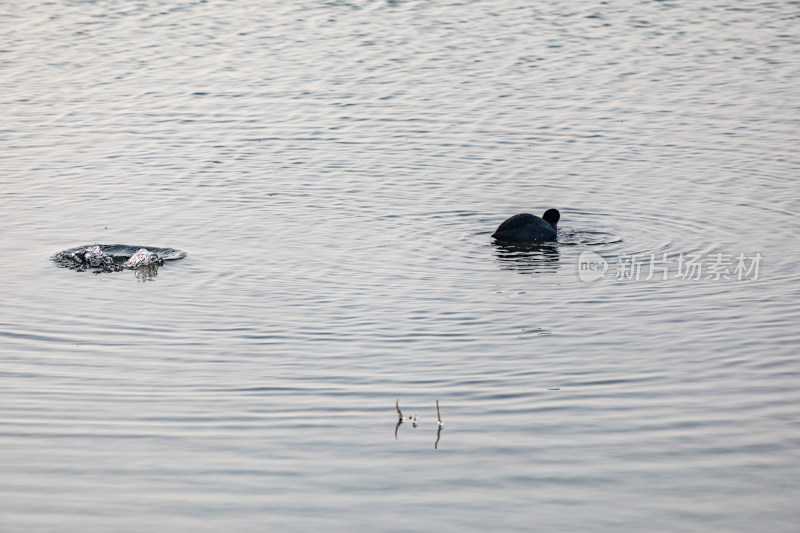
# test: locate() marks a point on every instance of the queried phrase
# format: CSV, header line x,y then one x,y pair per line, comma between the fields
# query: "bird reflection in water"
x,y
528,258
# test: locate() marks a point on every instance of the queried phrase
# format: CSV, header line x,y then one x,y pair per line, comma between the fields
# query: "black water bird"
x,y
529,228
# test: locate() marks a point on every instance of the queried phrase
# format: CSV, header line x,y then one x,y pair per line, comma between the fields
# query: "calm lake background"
x,y
334,171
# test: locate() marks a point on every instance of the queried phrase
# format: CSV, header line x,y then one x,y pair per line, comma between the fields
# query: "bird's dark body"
x,y
526,228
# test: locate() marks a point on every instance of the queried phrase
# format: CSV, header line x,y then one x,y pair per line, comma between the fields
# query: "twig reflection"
x,y
401,418
441,426
413,419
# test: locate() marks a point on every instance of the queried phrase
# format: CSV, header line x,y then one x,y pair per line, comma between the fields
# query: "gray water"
x,y
334,172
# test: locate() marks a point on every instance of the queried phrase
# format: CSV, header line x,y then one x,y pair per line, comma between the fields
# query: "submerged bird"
x,y
438,416
529,228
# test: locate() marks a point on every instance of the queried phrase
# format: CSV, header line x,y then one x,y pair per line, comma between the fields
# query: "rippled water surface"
x,y
334,172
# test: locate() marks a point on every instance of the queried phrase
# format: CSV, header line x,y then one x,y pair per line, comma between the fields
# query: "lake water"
x,y
334,171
